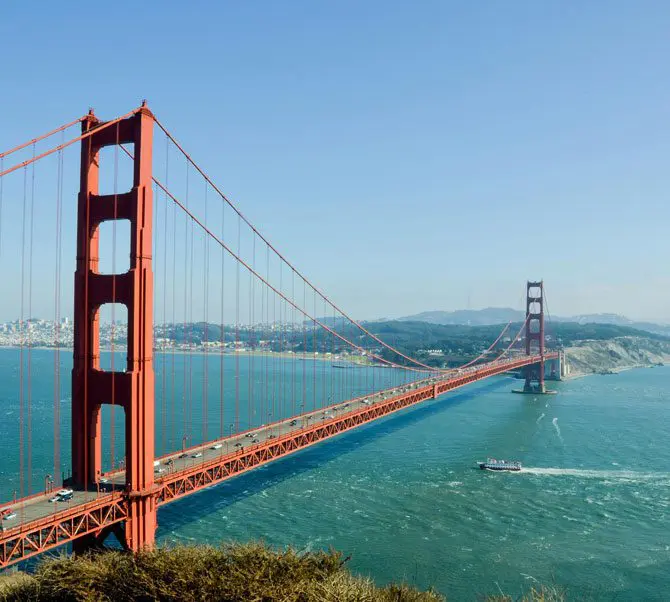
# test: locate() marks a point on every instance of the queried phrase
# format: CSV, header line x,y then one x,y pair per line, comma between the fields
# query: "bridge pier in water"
x,y
132,389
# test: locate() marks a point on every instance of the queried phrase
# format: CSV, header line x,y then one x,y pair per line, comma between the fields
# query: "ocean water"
x,y
590,513
402,497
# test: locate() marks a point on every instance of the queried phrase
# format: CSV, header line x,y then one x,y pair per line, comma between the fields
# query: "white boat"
x,y
500,465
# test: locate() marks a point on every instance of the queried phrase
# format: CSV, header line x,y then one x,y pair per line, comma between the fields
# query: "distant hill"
x,y
476,317
502,315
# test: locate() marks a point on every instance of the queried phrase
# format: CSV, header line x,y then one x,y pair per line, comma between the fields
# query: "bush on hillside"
x,y
194,573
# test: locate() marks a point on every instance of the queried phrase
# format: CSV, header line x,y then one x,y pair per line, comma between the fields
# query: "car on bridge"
x,y
7,514
62,496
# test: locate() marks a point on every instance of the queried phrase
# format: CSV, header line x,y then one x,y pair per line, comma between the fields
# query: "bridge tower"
x,y
535,336
133,388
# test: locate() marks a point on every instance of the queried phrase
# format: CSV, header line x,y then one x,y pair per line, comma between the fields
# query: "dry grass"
x,y
250,572
13,580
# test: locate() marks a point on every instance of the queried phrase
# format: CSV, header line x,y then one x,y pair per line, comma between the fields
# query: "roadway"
x,y
30,510
38,506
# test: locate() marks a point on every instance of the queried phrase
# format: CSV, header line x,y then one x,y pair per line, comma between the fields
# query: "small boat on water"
x,y
500,465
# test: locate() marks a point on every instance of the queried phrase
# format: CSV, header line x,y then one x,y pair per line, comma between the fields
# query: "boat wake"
x,y
557,428
540,418
628,475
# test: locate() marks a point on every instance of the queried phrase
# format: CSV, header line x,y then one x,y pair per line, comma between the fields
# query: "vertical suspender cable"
x,y
324,347
275,378
237,330
22,336
190,327
57,317
293,331
30,312
184,338
304,351
268,334
332,360
250,340
174,302
206,333
165,445
314,354
283,350
223,333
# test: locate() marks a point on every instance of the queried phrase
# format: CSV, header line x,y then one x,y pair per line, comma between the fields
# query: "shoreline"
x,y
611,371
343,362
158,352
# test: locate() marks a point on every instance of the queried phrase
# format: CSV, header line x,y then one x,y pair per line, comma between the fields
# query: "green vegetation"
x,y
459,343
456,343
250,572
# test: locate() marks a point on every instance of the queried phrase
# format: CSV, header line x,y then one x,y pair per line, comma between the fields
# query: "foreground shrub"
x,y
250,572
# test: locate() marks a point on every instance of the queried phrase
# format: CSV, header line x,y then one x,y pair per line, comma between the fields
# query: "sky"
x,y
405,156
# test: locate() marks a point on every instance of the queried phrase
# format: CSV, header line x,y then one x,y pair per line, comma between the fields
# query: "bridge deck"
x,y
41,525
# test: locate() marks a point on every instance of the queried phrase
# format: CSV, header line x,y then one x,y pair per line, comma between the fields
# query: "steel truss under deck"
x,y
108,511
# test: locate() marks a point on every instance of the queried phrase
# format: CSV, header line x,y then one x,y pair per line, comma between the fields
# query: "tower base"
x,y
535,390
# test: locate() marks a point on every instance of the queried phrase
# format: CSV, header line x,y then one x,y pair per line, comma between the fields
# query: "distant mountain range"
x,y
502,315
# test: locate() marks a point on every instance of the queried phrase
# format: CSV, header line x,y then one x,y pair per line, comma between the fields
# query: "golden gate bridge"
x,y
250,329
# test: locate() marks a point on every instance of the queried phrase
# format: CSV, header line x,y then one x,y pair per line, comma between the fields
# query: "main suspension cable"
x,y
282,258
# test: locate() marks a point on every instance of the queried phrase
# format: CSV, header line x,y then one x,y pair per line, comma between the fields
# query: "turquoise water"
x,y
401,496
243,392
589,513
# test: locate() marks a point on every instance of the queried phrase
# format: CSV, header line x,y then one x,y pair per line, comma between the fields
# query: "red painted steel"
x,y
204,475
62,146
535,335
94,520
131,513
133,390
91,520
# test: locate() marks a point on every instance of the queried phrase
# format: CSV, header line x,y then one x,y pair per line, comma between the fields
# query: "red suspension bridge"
x,y
199,351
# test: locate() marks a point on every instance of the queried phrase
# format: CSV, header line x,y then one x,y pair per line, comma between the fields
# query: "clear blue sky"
x,y
406,156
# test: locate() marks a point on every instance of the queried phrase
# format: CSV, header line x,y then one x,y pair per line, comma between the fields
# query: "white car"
x,y
216,446
196,455
62,496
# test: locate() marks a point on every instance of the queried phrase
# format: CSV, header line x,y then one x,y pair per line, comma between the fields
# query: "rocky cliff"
x,y
621,353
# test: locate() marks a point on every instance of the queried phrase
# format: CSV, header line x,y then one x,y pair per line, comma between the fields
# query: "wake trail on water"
x,y
595,474
540,418
558,430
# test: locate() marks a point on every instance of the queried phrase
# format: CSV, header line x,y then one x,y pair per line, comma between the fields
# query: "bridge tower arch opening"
x,y
132,388
534,374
